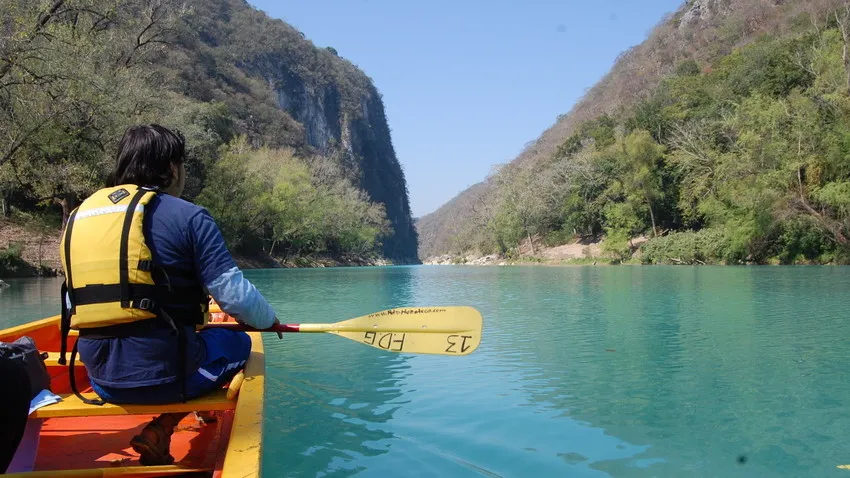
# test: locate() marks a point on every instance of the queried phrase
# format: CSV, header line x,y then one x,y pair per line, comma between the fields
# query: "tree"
x,y
73,75
642,178
272,199
842,17
688,68
523,208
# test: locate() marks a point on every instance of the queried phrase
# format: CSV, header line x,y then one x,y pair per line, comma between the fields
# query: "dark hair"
x,y
145,156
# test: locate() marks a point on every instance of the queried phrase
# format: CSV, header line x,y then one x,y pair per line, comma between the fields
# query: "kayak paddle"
x,y
452,330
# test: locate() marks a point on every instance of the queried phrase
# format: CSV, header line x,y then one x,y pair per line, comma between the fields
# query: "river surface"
x,y
582,372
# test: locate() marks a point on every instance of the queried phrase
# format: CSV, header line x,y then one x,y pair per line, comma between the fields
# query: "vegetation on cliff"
x,y
740,156
292,135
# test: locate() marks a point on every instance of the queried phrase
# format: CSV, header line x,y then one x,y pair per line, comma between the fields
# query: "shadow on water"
x,y
328,399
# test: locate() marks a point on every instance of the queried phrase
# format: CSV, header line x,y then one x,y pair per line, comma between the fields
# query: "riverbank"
x,y
583,252
673,249
30,251
302,262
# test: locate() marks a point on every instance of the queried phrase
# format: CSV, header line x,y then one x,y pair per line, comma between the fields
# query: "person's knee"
x,y
234,345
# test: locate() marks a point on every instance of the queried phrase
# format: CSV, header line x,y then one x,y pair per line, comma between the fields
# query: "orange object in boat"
x,y
79,440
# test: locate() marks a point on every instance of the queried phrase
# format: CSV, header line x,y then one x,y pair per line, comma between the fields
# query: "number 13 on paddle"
x,y
454,330
422,330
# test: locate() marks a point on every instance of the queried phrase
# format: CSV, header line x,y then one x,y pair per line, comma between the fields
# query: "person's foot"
x,y
153,444
206,417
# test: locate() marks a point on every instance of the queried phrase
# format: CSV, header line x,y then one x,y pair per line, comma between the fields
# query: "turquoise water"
x,y
583,371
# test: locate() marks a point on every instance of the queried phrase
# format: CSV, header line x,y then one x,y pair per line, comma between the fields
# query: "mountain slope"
x,y
700,30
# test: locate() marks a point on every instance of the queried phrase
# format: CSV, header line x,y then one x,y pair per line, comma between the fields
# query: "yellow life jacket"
x,y
110,287
109,269
107,263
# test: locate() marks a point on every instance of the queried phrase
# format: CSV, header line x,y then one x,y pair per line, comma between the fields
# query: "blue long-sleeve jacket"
x,y
184,236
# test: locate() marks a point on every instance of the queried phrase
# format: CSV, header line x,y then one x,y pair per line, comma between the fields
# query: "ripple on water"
x,y
587,372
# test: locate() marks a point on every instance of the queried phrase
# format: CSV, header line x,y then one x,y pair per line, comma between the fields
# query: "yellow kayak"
x,y
73,439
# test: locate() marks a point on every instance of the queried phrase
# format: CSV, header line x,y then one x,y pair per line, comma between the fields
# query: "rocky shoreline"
x,y
303,262
498,260
39,255
470,260
582,252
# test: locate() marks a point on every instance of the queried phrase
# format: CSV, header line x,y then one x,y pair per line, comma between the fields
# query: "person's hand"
x,y
277,322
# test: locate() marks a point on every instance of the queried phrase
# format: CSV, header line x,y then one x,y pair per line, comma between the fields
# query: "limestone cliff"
x,y
285,91
363,138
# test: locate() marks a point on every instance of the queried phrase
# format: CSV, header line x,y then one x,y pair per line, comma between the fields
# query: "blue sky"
x,y
467,83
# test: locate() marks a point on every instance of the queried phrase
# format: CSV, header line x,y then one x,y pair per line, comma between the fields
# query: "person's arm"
x,y
240,299
222,278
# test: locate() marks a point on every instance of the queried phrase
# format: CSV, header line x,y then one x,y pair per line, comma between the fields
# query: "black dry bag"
x,y
25,354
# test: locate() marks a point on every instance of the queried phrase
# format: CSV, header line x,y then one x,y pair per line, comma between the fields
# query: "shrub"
x,y
11,263
687,247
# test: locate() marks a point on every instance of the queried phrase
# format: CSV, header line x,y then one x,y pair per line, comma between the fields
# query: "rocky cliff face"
x,y
286,91
368,138
363,136
318,111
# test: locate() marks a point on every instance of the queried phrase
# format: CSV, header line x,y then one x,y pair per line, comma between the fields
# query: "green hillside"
x,y
723,139
289,146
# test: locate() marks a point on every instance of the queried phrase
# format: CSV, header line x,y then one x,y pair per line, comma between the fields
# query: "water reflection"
x,y
26,300
688,368
608,371
332,398
505,406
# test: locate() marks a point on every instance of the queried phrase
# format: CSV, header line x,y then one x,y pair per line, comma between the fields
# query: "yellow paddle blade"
x,y
420,330
454,330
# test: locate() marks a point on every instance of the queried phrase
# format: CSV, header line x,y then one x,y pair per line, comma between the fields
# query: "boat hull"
x,y
74,440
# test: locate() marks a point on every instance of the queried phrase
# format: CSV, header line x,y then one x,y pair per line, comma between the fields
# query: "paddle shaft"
x,y
319,328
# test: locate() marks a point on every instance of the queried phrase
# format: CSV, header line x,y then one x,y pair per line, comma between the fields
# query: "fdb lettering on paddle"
x,y
388,341
394,341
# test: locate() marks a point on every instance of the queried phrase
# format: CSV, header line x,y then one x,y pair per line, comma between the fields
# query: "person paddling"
x,y
140,266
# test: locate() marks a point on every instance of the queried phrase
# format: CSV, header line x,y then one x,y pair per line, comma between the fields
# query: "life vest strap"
x,y
64,323
73,380
139,296
130,329
123,257
104,294
69,279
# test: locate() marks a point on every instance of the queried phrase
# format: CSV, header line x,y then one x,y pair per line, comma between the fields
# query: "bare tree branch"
x,y
43,20
843,20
